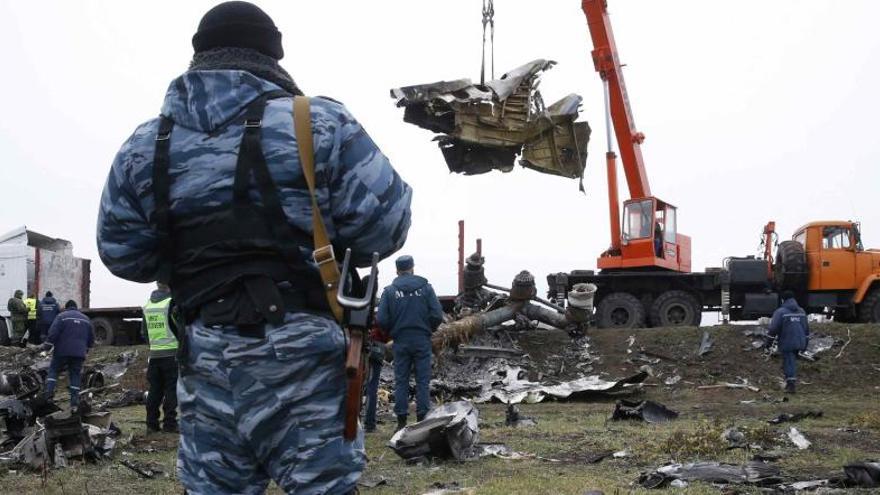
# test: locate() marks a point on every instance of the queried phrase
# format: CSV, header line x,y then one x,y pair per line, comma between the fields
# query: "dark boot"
x,y
420,417
401,422
789,387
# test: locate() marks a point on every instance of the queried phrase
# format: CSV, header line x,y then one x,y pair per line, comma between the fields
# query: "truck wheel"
x,y
676,308
103,331
869,310
790,269
620,310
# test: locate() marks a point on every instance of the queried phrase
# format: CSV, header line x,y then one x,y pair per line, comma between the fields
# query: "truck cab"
x,y
842,274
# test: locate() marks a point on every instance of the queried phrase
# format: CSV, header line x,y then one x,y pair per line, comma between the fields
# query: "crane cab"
x,y
649,239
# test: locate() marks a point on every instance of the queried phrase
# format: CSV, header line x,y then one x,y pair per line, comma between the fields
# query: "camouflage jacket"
x,y
364,203
18,310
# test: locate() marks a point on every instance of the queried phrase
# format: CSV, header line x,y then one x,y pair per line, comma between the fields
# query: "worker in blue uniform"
x,y
789,325
410,311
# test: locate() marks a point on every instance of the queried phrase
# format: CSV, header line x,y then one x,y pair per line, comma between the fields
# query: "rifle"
x,y
356,322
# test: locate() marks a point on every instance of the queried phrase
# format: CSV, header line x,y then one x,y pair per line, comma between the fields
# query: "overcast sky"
x,y
753,110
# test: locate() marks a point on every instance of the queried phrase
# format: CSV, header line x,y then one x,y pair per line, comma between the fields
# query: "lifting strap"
x,y
323,253
488,18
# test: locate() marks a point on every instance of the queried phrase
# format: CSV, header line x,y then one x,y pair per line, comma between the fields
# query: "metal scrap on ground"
x,y
513,389
789,417
646,410
484,128
798,439
751,473
447,432
35,429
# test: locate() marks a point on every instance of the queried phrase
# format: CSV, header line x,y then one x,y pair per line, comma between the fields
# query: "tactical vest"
x,y
32,308
242,263
156,318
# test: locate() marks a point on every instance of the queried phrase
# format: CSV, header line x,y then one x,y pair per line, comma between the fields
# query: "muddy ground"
x,y
570,434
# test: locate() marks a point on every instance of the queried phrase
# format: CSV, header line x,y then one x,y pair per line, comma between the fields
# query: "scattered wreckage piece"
x,y
70,436
372,482
516,419
489,351
20,384
705,344
498,450
855,475
513,390
751,473
672,380
115,370
863,474
484,128
817,345
447,432
743,383
146,470
735,438
646,410
455,333
474,296
128,397
795,417
798,439
438,488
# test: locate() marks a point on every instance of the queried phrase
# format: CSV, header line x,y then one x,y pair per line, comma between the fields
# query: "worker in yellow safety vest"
x,y
31,324
161,331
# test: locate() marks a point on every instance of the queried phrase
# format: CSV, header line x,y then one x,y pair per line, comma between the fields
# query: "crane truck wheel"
x,y
620,310
103,331
869,310
790,269
676,308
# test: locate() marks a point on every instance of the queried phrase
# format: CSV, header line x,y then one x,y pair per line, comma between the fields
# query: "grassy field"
x,y
569,434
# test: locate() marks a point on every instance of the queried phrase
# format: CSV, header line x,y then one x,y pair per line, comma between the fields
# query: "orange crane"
x,y
645,277
648,238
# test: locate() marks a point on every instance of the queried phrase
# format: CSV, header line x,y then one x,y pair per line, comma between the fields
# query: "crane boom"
x,y
647,238
607,63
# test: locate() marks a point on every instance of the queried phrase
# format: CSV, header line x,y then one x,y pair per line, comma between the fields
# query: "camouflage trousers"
x,y
255,409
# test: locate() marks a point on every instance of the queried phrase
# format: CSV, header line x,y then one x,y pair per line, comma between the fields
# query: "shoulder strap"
x,y
323,254
252,160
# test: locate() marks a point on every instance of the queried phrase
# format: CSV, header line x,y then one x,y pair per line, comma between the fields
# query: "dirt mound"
x,y
734,356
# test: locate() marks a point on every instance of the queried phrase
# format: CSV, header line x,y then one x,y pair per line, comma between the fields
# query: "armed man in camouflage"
x,y
261,393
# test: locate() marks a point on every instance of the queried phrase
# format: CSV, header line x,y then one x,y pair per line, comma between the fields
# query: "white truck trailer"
x,y
35,263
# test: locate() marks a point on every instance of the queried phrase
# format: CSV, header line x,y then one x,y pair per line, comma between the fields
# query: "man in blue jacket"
x,y
410,311
211,199
47,310
72,336
789,325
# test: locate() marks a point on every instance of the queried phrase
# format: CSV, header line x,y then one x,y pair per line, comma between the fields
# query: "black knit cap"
x,y
238,24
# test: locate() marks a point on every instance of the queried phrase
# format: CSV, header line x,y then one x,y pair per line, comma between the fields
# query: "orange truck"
x,y
824,264
828,268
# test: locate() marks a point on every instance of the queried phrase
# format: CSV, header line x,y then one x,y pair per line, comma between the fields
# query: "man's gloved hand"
x,y
45,346
389,351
